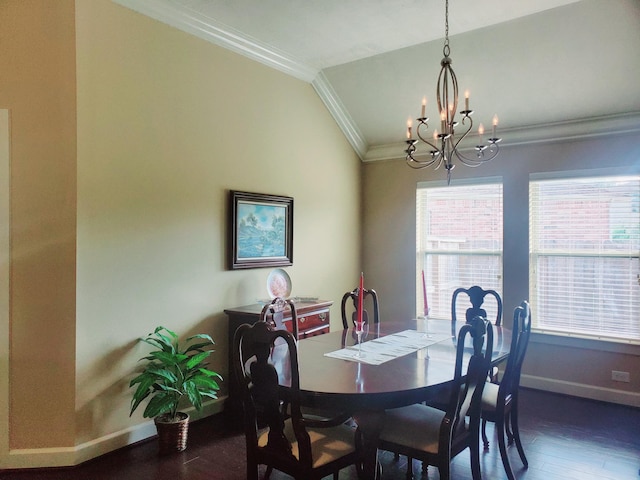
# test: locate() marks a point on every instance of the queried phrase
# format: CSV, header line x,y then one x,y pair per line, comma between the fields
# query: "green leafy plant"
x,y
173,372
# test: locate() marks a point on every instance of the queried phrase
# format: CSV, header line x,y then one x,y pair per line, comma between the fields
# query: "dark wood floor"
x,y
565,438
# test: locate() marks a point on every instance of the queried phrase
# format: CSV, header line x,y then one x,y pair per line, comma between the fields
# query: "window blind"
x,y
458,243
584,256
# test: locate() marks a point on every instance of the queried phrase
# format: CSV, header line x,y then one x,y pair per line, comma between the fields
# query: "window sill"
x,y
567,340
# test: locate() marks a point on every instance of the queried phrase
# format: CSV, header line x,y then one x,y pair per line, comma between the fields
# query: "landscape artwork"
x,y
261,230
261,225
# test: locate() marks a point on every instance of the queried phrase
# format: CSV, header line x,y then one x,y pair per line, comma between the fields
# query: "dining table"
x,y
333,377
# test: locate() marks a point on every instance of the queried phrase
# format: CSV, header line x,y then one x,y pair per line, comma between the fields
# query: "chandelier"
x,y
443,146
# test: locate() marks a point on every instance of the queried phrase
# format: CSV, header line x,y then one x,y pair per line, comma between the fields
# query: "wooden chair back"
x,y
273,313
476,296
460,426
521,331
349,309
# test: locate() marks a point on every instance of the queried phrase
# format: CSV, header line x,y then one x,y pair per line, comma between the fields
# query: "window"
x,y
458,244
584,256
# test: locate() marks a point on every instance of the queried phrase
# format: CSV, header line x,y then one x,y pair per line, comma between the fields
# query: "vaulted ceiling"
x,y
549,68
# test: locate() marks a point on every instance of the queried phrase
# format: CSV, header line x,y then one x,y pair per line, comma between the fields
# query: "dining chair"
x,y
353,295
277,434
500,402
476,296
273,313
436,436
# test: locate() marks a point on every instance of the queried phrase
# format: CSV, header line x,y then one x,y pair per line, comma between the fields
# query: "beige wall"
x,y
166,125
37,86
566,365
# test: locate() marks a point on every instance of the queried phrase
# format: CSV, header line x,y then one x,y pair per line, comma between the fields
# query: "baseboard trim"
x,y
582,390
72,456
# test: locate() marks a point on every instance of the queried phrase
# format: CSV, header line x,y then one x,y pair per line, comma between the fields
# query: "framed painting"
x,y
260,230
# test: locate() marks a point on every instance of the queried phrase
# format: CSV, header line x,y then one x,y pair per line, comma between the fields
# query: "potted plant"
x,y
174,372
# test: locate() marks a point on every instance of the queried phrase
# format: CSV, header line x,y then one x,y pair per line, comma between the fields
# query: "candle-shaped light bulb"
x,y
409,129
443,119
435,134
424,107
495,124
481,132
466,99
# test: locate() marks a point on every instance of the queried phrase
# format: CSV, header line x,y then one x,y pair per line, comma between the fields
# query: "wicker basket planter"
x,y
172,435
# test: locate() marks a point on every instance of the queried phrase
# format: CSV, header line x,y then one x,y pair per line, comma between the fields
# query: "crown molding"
x,y
210,30
340,114
593,127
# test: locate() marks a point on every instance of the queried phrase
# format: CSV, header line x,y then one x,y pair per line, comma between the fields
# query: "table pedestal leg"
x,y
369,425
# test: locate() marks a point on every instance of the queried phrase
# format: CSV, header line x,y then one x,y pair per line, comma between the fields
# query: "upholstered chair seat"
x,y
327,444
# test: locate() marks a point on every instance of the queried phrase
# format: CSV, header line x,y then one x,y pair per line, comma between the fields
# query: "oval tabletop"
x,y
349,384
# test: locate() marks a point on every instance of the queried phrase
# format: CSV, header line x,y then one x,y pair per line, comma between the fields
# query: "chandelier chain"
x,y
446,50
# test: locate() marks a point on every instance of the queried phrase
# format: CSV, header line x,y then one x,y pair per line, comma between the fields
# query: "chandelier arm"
x,y
483,156
433,147
419,130
417,164
438,92
464,135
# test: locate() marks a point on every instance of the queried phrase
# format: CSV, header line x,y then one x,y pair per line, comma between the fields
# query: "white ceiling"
x,y
325,33
533,62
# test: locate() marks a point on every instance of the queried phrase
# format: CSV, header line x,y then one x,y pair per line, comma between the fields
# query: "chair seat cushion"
x,y
490,397
416,426
327,444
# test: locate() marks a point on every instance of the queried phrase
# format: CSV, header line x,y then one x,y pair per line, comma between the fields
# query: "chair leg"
x,y
500,428
409,467
508,429
252,471
474,453
445,471
516,435
485,440
267,474
359,471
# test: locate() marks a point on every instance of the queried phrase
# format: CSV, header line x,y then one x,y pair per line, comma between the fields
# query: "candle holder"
x,y
359,328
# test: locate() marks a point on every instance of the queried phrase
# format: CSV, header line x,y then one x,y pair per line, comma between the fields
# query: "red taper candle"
x,y
360,297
